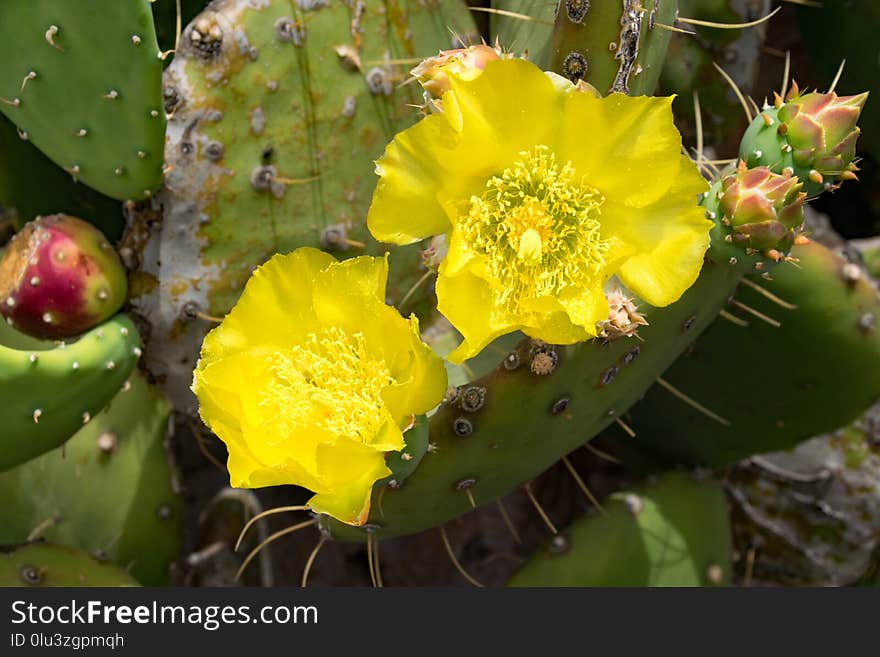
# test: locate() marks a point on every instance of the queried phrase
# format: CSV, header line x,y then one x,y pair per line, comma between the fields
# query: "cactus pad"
x,y
41,564
110,491
674,533
82,80
31,184
50,391
780,386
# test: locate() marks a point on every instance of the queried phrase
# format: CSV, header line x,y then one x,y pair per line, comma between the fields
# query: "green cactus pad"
x,y
31,184
82,80
278,110
110,491
50,390
526,421
778,386
42,565
674,533
615,46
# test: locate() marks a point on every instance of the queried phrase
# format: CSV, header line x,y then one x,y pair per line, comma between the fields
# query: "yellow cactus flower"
x,y
544,192
311,379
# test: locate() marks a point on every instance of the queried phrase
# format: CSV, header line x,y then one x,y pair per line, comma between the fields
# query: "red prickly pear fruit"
x,y
60,277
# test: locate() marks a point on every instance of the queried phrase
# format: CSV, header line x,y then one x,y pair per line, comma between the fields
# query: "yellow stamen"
x,y
329,381
537,227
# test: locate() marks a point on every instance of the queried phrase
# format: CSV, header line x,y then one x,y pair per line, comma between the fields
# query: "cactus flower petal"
x,y
312,379
543,193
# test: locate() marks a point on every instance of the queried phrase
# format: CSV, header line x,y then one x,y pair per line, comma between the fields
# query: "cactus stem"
x,y
730,317
267,512
691,402
272,537
455,561
729,26
528,490
626,428
737,91
580,484
507,521
755,313
312,556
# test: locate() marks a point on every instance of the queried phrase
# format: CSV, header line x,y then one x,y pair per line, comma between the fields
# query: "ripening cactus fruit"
x,y
763,211
60,277
812,135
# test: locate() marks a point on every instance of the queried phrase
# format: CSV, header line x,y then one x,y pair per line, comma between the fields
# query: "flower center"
x,y
537,227
331,382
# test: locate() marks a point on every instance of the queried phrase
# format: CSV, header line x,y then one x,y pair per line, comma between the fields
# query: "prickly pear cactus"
x,y
674,532
111,490
103,124
277,111
44,564
615,46
825,327
264,135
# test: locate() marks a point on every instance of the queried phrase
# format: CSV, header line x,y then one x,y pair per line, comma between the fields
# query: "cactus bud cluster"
x,y
763,210
813,135
59,277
